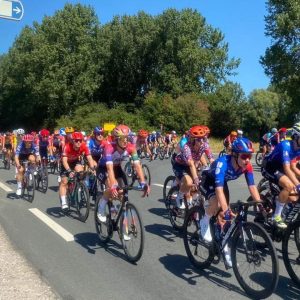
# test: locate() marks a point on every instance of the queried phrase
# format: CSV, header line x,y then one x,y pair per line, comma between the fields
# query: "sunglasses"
x,y
198,139
77,141
99,134
245,156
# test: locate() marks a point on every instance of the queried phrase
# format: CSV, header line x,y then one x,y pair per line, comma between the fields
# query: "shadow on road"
x,y
163,231
12,181
55,212
13,196
161,212
53,188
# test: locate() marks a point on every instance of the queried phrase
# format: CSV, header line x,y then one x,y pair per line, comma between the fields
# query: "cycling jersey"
x,y
96,148
23,150
75,155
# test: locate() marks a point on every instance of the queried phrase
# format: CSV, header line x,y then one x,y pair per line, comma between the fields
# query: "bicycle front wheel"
x,y
147,174
83,202
167,185
28,186
199,252
44,179
254,260
132,233
291,251
259,158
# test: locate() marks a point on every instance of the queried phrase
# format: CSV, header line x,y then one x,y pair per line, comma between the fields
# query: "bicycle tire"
x,y
160,153
147,174
83,202
129,173
135,231
192,240
287,252
28,187
176,216
166,189
259,253
259,158
7,164
52,167
44,179
104,230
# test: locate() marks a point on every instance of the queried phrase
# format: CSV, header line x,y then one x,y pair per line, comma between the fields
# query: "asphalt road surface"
x,y
71,259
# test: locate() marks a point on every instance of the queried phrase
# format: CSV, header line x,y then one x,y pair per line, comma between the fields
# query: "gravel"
x,y
18,279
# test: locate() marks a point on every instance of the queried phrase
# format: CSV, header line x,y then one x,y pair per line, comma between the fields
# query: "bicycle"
x,y
28,183
125,219
6,160
55,164
168,184
132,176
41,176
78,196
246,249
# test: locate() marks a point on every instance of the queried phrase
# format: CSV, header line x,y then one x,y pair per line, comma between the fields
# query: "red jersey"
x,y
74,155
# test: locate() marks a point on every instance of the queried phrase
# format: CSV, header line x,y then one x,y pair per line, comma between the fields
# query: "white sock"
x,y
63,200
101,207
19,184
279,207
179,198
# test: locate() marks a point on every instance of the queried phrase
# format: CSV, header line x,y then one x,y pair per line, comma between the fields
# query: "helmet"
x,y
77,135
233,133
240,132
62,131
207,130
143,133
296,129
274,130
28,138
83,133
20,131
44,132
56,132
121,130
158,134
197,131
282,130
7,133
153,132
242,145
69,130
98,130
173,132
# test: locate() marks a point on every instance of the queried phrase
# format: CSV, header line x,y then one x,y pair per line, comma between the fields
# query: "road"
x,y
78,267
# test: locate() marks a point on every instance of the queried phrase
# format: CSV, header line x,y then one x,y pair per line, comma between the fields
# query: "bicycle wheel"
x,y
199,252
291,251
147,174
28,186
83,202
254,260
7,164
259,158
44,179
176,215
160,153
129,172
104,230
167,185
52,167
132,233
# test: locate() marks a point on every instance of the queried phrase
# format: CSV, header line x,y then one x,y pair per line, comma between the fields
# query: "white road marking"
x,y
66,235
5,187
157,184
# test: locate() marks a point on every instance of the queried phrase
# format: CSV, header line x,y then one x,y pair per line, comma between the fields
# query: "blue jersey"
x,y
222,171
22,150
96,149
283,153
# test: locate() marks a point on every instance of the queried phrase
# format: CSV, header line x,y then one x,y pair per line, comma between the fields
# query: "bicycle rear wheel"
x,y
83,202
44,179
132,233
259,158
291,251
199,252
7,163
147,174
176,215
103,229
254,260
167,185
28,186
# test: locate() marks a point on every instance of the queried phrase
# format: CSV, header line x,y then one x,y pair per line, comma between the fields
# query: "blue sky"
x,y
241,21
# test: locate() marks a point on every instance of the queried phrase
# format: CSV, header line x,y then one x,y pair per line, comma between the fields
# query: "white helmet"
x,y
173,132
20,131
153,132
83,133
240,132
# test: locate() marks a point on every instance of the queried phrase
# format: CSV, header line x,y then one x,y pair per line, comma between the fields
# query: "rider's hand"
x,y
114,191
71,174
227,214
196,182
146,188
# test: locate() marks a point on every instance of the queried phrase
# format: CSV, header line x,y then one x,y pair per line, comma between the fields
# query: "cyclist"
x,y
142,144
229,140
277,168
26,150
110,170
184,166
215,189
8,145
72,162
44,145
282,133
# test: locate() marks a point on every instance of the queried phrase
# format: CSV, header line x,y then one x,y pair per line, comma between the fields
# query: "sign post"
x,y
11,9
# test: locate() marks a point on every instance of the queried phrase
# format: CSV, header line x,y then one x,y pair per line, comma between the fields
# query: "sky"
x,y
241,22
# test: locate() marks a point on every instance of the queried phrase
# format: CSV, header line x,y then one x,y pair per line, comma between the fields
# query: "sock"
x,y
179,198
189,201
63,200
19,183
279,207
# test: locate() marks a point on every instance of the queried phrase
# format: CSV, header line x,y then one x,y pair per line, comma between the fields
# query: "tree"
x,y
282,59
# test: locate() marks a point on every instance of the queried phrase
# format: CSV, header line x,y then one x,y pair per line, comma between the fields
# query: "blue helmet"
x,y
98,130
62,131
242,145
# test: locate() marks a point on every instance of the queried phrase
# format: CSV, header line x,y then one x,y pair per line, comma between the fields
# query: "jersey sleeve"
x,y
220,173
249,175
131,149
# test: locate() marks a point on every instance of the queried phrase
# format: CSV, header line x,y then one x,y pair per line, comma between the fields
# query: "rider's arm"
x,y
254,192
289,173
111,174
193,170
221,198
294,168
65,163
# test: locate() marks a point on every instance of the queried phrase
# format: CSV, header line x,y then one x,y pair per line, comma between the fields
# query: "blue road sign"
x,y
11,9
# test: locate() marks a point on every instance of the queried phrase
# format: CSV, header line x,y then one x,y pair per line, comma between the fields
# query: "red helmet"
x,y
207,130
121,130
28,138
283,130
44,132
143,133
197,131
77,135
